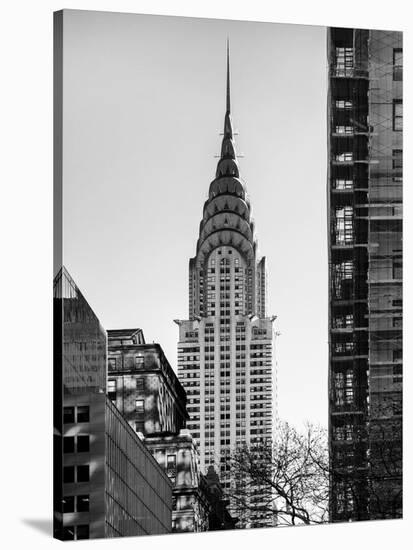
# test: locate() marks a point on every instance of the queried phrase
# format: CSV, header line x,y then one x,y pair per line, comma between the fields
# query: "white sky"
x,y
144,102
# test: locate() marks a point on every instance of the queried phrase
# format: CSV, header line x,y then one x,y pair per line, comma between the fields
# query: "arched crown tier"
x,y
226,232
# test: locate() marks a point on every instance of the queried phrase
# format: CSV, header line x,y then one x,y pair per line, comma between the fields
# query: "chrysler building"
x,y
225,347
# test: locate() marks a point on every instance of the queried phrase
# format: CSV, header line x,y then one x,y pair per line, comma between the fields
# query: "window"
x,y
171,466
83,413
344,157
343,433
344,104
83,473
82,503
398,370
68,533
397,164
342,279
343,229
82,443
344,498
68,504
341,184
397,269
68,474
344,129
397,355
112,389
112,363
139,426
68,444
139,384
343,321
397,64
82,532
139,406
139,360
344,61
343,348
397,115
68,415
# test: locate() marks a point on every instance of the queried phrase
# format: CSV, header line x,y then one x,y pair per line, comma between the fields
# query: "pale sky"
x,y
144,103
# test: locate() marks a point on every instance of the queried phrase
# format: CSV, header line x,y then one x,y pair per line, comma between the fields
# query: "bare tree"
x,y
385,460
288,479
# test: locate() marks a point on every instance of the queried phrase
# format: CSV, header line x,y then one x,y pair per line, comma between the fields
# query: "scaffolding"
x,y
365,258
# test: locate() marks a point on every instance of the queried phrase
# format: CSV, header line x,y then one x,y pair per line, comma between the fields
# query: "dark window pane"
x,y
397,158
68,444
69,533
83,473
397,64
82,443
111,388
68,415
397,269
82,503
82,532
68,504
68,474
397,115
83,413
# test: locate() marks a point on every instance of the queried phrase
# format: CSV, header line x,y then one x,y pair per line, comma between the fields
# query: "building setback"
x,y
365,272
106,483
146,390
225,347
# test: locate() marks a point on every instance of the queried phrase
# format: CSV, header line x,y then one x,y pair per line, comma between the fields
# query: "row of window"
x,y
80,413
79,444
344,66
75,503
191,334
73,474
347,156
343,184
75,532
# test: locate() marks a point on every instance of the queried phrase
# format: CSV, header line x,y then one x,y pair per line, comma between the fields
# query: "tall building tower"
x,y
225,347
365,269
106,482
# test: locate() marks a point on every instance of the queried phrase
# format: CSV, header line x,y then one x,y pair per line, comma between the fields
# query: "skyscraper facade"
x,y
106,482
143,385
365,122
225,348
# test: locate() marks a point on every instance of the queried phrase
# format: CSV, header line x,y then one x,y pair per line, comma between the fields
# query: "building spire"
x,y
228,81
227,165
